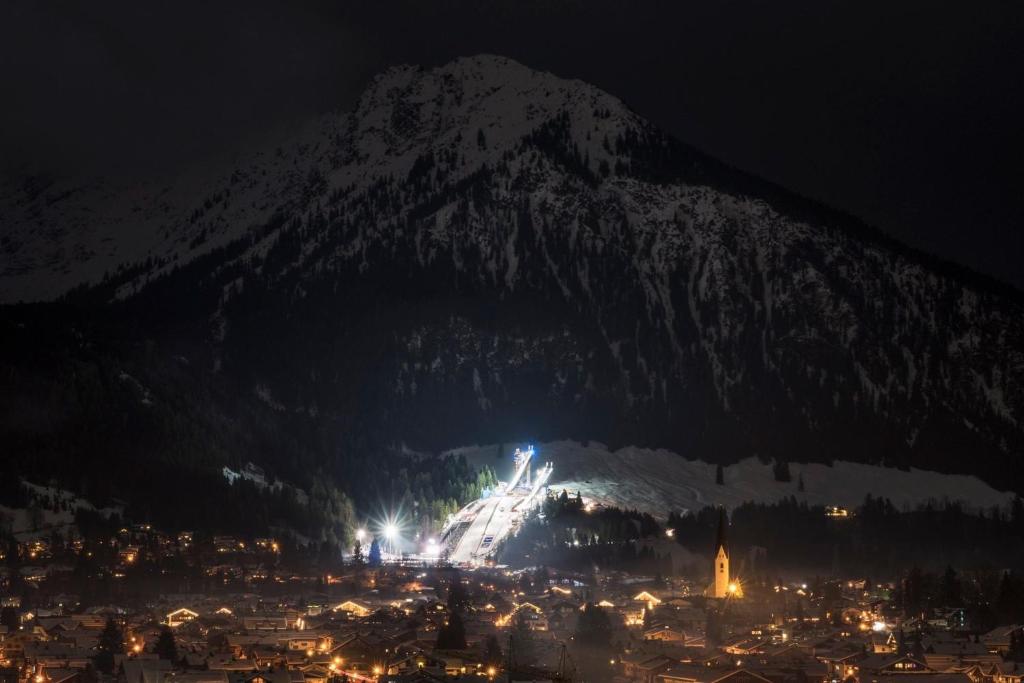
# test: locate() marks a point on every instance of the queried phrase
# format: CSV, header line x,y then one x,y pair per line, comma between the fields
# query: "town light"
x,y
491,671
360,534
390,531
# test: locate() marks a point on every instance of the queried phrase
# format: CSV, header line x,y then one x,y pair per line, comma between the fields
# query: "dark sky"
x,y
908,114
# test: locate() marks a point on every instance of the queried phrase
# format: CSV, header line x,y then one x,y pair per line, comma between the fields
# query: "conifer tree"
x,y
593,627
492,651
166,647
374,558
111,643
452,635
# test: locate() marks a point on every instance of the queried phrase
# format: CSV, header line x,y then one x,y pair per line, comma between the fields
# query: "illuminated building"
x,y
721,569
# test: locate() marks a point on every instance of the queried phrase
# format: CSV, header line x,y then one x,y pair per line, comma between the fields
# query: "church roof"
x,y
721,541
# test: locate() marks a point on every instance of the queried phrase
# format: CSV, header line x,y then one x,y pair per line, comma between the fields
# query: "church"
x,y
723,586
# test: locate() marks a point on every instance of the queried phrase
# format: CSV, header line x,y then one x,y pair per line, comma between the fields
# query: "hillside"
x,y
485,253
660,482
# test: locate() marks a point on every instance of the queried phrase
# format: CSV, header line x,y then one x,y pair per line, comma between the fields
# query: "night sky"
x,y
908,114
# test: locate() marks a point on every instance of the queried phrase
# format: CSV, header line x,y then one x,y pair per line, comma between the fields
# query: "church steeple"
x,y
721,554
721,540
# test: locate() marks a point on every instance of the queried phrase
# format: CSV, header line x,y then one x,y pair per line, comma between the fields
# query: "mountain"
x,y
481,253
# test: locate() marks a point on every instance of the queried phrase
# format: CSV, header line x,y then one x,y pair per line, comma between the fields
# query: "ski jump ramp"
x,y
473,534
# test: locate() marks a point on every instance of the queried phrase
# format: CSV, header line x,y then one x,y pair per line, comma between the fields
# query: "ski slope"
x,y
660,481
494,518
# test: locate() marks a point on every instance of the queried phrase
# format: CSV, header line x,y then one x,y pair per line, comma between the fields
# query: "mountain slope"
x,y
481,252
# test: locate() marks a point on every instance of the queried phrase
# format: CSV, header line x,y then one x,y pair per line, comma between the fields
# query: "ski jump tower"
x,y
521,461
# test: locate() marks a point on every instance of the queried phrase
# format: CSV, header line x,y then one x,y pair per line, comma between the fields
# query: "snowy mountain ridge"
x,y
522,253
61,233
659,481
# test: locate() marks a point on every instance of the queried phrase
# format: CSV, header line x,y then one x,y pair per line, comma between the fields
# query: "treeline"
x,y
128,423
876,538
988,598
568,536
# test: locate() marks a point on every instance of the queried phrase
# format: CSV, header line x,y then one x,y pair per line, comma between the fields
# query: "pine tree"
x,y
719,475
165,646
357,553
593,627
111,642
458,598
492,651
452,635
950,588
522,645
800,482
9,618
781,471
374,558
1010,599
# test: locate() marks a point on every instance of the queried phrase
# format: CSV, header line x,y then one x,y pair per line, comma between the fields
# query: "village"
x,y
236,615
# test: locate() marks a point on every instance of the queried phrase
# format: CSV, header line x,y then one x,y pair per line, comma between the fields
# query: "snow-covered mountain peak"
x,y
59,233
475,107
523,249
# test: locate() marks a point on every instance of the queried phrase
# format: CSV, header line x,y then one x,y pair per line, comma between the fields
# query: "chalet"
x,y
644,666
876,665
274,676
93,620
647,599
64,675
144,670
415,661
932,677
419,676
227,662
314,673
353,607
1007,672
998,639
279,621
180,616
693,673
665,632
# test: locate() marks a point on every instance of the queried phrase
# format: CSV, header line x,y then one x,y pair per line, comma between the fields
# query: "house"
x,y
693,673
876,665
644,666
353,607
998,639
648,599
145,670
1007,672
180,616
414,661
665,632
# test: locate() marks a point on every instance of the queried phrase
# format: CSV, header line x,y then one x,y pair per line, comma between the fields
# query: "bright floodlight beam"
x,y
527,455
